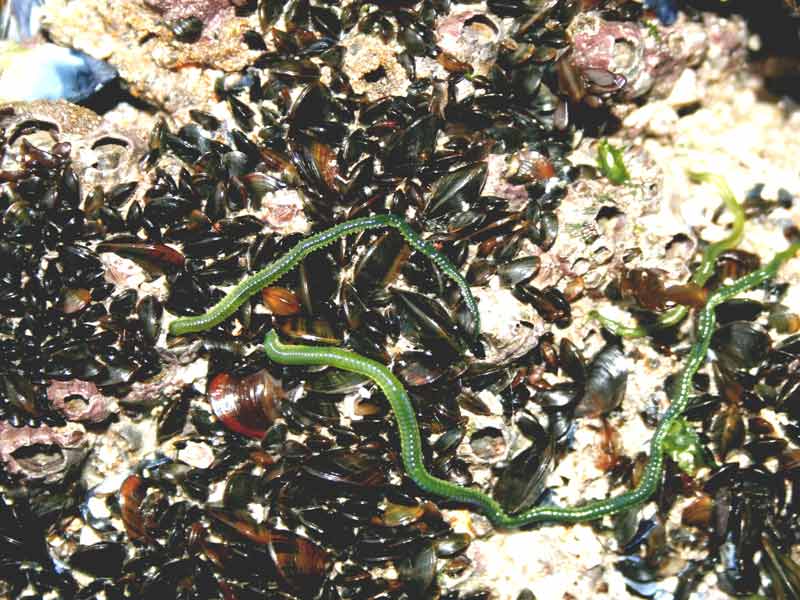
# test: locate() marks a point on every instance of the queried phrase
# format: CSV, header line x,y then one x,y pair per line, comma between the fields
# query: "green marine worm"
x,y
278,268
411,444
704,271
410,440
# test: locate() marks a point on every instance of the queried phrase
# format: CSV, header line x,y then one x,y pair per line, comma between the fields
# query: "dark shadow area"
x,y
777,25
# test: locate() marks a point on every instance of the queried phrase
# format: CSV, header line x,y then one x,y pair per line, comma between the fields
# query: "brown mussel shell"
x,y
246,405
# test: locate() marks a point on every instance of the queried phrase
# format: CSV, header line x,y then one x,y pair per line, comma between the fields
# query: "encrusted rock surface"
x,y
137,39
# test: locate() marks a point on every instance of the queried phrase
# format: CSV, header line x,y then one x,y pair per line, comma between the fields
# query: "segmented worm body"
x,y
411,445
410,441
278,268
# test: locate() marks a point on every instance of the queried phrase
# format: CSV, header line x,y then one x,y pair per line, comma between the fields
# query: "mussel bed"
x,y
138,464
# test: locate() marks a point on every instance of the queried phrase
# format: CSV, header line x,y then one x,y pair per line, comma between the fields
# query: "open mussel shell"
x,y
487,443
521,482
47,462
301,565
248,404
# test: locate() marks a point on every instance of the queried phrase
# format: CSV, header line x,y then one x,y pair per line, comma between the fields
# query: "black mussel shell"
x,y
605,384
